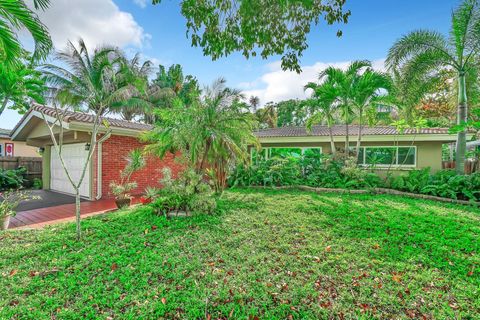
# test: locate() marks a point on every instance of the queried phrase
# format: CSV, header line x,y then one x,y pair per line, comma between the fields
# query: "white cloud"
x,y
96,21
277,85
141,3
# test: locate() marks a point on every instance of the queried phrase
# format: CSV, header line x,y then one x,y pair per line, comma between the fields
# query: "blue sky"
x,y
158,32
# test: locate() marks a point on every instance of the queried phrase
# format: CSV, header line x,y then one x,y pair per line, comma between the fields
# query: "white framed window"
x,y
385,156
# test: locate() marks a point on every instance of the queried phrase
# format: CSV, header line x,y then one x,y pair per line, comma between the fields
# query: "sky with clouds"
x,y
158,32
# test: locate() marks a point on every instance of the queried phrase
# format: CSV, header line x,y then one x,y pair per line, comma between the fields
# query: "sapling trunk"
x,y
332,142
461,147
77,213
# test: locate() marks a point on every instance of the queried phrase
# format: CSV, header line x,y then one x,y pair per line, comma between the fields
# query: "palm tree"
x,y
343,83
254,103
370,89
323,108
20,85
91,84
268,115
15,15
423,52
211,135
133,74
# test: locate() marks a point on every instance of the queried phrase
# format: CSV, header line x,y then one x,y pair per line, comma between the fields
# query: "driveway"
x,y
48,199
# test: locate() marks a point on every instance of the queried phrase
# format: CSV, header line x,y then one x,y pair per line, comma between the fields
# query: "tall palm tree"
x,y
90,81
323,106
254,103
368,91
15,15
423,51
133,74
343,83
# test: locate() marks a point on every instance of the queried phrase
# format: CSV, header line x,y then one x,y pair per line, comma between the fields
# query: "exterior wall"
x,y
429,154
46,167
20,148
113,159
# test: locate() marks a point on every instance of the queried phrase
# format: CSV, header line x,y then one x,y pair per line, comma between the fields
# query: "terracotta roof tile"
x,y
340,130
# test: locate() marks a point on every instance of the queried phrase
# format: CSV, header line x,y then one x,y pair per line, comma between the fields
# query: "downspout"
x,y
99,171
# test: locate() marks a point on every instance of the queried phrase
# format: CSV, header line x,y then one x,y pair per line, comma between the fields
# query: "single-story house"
x,y
381,146
9,148
108,159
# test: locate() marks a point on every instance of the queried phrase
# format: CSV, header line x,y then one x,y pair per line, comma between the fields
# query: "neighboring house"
x,y
107,162
381,146
9,148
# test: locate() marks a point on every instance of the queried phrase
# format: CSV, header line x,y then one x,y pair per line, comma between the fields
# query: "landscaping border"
x,y
376,191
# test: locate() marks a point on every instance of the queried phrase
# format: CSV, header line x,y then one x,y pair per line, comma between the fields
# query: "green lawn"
x,y
266,255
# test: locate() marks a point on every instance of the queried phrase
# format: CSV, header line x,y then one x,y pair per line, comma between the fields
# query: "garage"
x,y
74,156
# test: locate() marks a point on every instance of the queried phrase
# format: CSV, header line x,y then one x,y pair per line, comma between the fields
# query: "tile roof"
x,y
5,133
71,116
339,130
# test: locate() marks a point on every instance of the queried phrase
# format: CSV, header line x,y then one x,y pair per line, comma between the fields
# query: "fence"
x,y
471,165
32,164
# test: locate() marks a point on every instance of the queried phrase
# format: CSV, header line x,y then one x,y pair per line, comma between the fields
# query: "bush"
x,y
187,193
12,179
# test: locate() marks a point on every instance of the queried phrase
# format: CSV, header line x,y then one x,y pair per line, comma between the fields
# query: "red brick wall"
x,y
115,150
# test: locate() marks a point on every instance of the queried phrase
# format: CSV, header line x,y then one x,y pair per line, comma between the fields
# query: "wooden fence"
x,y
32,164
471,165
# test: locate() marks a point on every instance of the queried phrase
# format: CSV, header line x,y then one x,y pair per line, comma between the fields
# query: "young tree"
x,y
90,85
262,27
15,15
423,51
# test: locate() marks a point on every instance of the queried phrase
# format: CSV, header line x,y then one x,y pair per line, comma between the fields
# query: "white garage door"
x,y
74,156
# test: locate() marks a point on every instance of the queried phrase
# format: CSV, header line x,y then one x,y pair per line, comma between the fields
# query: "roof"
x,y
340,130
5,133
82,117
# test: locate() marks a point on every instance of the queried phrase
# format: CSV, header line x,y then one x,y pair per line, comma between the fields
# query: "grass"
x,y
265,255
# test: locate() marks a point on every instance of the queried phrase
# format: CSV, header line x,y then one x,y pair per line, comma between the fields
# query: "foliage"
x,y
9,201
37,184
188,193
12,179
20,85
266,254
258,26
212,134
428,52
14,16
311,170
444,183
135,161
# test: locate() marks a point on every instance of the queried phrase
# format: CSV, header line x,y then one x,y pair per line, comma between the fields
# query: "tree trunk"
x,y
332,142
461,147
4,105
347,141
359,139
77,213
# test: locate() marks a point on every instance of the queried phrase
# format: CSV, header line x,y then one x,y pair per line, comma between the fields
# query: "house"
x,y
381,146
107,161
9,148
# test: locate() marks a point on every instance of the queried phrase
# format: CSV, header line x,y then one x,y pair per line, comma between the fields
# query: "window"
x,y
386,156
267,153
1,150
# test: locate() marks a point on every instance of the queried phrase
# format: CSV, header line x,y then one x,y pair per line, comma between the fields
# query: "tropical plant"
x,y
210,135
121,189
254,102
132,75
12,179
422,52
324,108
291,112
267,116
258,26
20,85
16,15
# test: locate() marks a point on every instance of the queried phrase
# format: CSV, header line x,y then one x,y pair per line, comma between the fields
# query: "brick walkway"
x,y
64,213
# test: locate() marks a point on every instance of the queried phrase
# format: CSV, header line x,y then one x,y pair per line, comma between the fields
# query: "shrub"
x,y
37,184
189,193
12,179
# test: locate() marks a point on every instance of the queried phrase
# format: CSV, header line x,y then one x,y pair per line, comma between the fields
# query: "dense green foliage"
x,y
321,171
14,16
12,179
188,193
258,26
266,254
